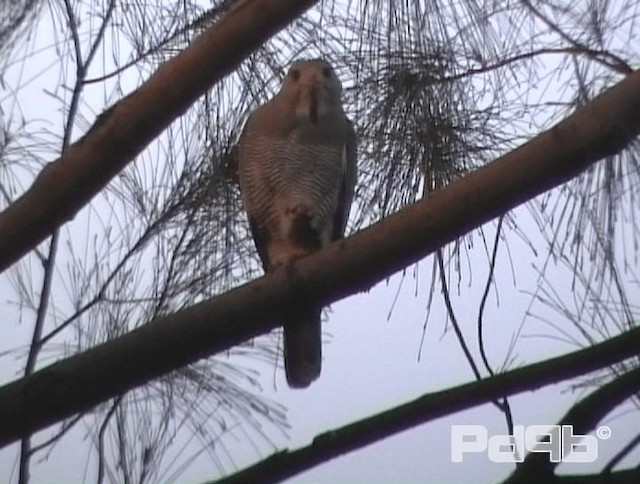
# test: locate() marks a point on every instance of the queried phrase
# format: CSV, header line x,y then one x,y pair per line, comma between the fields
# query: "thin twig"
x,y
503,405
37,343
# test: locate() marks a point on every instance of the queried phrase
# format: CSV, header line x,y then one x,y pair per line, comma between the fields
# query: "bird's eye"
x,y
295,74
326,71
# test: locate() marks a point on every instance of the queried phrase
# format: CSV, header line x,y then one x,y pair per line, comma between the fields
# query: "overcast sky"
x,y
371,354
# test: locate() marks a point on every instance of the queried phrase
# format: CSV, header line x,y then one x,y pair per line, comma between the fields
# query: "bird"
x,y
297,173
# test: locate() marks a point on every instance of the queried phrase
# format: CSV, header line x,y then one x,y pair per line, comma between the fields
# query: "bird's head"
x,y
313,87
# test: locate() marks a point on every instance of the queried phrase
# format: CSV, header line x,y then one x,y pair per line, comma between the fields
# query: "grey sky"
x,y
372,341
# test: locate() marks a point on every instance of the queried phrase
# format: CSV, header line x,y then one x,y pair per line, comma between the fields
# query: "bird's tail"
x,y
303,347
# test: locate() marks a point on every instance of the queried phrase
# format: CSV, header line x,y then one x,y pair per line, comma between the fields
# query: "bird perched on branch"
x,y
297,173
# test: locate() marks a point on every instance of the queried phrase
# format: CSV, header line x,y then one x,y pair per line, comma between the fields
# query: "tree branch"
x,y
122,132
583,417
77,383
333,443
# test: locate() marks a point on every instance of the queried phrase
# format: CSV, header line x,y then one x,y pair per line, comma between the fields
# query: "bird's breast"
x,y
286,172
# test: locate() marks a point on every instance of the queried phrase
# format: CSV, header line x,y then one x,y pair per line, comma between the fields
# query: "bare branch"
x,y
583,417
600,56
626,450
426,408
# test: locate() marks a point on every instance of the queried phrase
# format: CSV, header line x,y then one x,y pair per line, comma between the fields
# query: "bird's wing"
x,y
349,177
257,230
